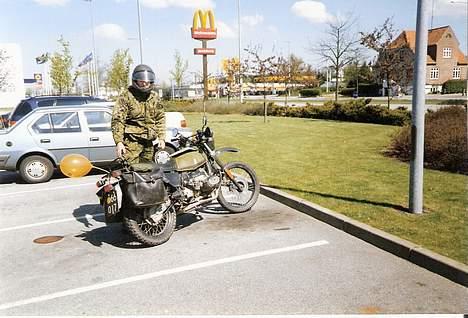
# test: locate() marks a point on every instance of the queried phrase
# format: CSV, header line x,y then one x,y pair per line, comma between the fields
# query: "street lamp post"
x,y
240,61
139,31
95,72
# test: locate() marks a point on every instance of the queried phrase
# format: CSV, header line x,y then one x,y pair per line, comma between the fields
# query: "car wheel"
x,y
36,169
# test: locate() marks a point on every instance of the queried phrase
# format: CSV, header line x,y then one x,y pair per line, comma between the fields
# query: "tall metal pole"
x,y
240,60
139,32
418,110
95,73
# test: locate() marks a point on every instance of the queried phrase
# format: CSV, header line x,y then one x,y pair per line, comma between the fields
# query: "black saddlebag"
x,y
144,189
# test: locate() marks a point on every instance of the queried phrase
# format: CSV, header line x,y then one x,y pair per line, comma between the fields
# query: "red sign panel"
x,y
204,34
204,51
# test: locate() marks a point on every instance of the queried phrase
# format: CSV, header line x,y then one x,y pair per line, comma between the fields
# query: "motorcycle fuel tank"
x,y
189,161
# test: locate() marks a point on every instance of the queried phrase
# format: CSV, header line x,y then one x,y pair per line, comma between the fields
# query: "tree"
x,y
4,73
394,63
230,69
61,67
261,69
119,70
180,68
339,48
289,71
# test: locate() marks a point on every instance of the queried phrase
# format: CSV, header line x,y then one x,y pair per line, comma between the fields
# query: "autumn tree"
x,y
230,70
339,47
61,68
119,70
289,71
180,67
394,62
261,68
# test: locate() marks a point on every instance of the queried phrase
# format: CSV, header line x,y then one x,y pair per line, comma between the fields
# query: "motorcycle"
x,y
147,197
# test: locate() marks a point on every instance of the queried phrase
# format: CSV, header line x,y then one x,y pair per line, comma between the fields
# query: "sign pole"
x,y
205,78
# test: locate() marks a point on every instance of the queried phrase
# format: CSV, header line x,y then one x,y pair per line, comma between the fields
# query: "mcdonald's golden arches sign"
x,y
200,29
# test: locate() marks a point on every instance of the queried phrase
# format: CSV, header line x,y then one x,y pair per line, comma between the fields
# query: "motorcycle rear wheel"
x,y
153,230
229,195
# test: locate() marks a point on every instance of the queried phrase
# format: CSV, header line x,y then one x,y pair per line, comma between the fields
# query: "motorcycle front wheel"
x,y
230,196
151,226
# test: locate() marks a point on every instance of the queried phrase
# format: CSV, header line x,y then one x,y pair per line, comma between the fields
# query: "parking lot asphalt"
x,y
270,260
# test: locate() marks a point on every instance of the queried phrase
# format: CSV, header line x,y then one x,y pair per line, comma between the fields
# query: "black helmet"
x,y
143,73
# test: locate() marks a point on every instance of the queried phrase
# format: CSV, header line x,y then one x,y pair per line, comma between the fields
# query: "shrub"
x,y
309,92
445,141
454,86
347,91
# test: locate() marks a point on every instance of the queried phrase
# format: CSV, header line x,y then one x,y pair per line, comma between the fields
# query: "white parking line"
x,y
19,227
176,270
46,189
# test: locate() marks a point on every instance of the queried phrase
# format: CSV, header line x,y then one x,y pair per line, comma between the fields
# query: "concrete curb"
x,y
444,266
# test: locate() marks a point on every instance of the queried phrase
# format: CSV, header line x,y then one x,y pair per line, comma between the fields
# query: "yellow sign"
x,y
200,29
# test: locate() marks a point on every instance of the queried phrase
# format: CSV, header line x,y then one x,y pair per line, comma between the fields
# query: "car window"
x,y
70,101
98,120
45,103
21,110
42,125
65,122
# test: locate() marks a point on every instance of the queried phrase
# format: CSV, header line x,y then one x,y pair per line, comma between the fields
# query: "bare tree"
x,y
3,69
394,62
261,69
339,47
179,70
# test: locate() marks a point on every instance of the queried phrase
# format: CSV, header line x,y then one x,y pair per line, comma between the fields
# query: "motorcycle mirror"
x,y
75,165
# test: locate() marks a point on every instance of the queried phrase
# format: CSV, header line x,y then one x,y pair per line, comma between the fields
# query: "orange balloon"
x,y
75,165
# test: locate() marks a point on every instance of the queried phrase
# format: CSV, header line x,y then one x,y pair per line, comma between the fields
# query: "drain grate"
x,y
48,239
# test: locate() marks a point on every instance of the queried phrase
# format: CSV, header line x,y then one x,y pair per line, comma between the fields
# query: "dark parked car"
x,y
29,104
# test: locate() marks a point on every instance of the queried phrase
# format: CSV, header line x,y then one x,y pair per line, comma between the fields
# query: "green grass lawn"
x,y
339,165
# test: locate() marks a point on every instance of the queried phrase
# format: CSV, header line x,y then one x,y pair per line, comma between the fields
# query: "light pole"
x,y
240,61
95,77
139,31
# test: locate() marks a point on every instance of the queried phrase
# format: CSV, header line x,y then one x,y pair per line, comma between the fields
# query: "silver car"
x,y
37,143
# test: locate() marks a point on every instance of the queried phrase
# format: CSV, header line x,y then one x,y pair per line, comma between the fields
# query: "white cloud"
x,y
111,31
314,11
447,8
52,2
159,4
252,20
225,31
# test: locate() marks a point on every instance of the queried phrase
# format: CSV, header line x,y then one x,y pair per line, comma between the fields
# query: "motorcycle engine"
x,y
199,182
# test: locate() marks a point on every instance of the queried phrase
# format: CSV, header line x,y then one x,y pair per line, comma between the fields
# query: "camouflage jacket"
x,y
142,119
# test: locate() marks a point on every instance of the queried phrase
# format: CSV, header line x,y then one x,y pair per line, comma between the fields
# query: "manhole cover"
x,y
47,239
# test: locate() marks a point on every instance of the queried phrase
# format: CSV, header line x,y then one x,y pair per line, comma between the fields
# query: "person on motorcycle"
x,y
138,118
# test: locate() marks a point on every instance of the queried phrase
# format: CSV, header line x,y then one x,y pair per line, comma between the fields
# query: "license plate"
x,y
110,203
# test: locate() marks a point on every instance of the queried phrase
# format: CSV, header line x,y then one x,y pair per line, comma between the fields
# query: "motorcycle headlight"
x,y
162,157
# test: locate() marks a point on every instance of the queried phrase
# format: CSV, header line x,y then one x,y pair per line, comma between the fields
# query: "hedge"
x,y
454,86
309,92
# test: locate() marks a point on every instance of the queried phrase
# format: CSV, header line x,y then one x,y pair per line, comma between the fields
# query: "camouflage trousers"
x,y
138,150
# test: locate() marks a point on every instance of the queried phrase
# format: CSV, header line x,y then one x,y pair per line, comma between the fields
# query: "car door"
x,y
101,142
60,133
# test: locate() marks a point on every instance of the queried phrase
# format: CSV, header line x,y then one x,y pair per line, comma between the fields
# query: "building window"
x,y
447,53
456,73
434,73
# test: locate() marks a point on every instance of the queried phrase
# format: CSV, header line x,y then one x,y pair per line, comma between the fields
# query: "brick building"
x,y
445,60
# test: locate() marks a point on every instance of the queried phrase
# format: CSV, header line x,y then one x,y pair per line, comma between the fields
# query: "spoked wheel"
x,y
243,198
151,226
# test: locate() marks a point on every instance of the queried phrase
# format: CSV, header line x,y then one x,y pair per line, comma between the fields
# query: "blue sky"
x,y
279,26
